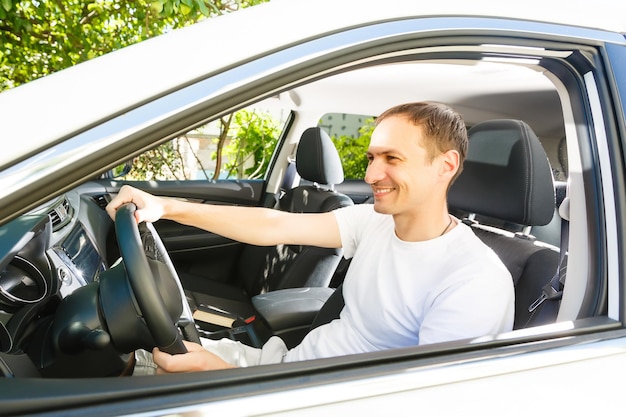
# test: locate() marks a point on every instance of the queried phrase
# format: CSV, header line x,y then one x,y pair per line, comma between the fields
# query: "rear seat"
x,y
505,189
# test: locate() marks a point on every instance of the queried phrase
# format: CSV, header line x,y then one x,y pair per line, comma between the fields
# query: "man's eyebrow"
x,y
383,152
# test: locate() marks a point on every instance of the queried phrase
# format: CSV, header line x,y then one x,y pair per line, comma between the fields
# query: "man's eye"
x,y
391,158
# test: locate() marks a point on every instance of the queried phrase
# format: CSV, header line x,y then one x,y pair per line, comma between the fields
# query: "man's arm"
x,y
253,225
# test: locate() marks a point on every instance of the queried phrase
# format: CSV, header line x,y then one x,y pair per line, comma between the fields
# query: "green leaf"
x,y
203,9
167,10
184,9
7,5
157,6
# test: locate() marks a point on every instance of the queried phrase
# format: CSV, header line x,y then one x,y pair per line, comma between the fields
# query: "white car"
x,y
542,87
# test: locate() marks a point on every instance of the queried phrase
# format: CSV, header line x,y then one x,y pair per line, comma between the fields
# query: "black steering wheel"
x,y
148,263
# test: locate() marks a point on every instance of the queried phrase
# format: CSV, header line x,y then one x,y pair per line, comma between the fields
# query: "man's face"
x,y
404,181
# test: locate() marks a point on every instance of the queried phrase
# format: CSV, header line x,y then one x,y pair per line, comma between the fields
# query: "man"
x,y
417,274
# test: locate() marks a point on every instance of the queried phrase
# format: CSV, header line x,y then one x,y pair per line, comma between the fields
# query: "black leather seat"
x,y
265,269
507,185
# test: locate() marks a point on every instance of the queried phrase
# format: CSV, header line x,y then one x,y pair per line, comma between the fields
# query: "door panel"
x,y
240,192
195,251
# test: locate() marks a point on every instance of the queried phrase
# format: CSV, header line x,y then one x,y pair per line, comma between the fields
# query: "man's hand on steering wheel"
x,y
160,312
197,359
149,207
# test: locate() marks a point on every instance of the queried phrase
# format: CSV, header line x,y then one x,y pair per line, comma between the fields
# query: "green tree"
x,y
353,151
40,37
162,163
250,150
244,145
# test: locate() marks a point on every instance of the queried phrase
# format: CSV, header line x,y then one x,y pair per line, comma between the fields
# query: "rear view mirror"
x,y
119,170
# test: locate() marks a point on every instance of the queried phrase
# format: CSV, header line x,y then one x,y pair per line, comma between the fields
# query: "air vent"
x,y
102,200
61,214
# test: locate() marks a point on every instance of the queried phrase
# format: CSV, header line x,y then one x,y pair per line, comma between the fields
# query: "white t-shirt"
x,y
400,294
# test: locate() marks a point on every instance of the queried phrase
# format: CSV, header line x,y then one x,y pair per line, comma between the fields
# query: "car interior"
x,y
522,191
269,269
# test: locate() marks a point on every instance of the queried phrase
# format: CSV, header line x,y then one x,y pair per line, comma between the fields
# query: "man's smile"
x,y
382,190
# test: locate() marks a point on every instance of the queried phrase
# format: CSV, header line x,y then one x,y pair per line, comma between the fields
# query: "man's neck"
x,y
419,227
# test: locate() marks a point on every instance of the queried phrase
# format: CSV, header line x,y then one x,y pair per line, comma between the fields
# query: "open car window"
x,y
239,145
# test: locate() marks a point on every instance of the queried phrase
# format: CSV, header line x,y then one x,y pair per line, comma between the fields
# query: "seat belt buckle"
x,y
535,305
547,293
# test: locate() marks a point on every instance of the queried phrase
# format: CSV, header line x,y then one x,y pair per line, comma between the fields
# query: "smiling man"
x,y
417,275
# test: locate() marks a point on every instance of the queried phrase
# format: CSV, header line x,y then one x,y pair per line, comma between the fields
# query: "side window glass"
x,y
351,135
239,146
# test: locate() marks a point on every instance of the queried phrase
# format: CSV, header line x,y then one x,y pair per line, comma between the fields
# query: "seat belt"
x,y
290,177
545,309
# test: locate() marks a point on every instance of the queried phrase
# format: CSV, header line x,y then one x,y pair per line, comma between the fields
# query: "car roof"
x,y
64,103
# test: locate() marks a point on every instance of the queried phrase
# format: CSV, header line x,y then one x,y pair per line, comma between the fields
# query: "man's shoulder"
x,y
478,253
360,213
356,208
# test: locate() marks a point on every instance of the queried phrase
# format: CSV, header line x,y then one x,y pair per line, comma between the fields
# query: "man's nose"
x,y
374,172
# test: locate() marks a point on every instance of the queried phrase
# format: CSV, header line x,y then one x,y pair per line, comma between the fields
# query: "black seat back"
x,y
292,266
507,179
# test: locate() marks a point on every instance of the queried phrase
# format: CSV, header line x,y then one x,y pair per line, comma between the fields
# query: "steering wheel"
x,y
144,256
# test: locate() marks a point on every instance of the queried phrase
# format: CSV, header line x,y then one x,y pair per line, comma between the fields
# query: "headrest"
x,y
317,159
506,175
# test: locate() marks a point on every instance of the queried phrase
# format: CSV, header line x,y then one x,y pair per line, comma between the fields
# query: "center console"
x,y
286,313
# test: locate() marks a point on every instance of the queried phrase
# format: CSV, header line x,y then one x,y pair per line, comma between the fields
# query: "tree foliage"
x,y
243,147
250,150
162,163
40,37
353,151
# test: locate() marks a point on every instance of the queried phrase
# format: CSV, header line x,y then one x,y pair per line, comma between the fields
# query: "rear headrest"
x,y
317,159
506,175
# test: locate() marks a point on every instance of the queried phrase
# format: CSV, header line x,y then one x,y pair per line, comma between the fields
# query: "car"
x,y
543,80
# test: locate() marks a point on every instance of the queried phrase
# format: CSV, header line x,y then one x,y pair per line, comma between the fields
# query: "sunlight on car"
x,y
361,208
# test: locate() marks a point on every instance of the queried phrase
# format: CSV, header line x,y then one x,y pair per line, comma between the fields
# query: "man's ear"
x,y
450,161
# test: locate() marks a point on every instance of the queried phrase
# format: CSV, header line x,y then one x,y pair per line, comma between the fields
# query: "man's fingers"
x,y
196,359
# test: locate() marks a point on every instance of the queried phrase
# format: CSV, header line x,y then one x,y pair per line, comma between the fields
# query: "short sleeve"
x,y
352,221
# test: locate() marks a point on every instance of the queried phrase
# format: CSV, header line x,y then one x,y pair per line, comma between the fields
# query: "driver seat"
x,y
266,269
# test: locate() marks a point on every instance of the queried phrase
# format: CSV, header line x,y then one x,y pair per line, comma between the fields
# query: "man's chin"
x,y
381,208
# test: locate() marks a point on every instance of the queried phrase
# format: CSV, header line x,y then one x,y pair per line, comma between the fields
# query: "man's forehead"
x,y
395,133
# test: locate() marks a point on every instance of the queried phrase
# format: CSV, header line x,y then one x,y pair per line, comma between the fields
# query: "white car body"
x,y
87,119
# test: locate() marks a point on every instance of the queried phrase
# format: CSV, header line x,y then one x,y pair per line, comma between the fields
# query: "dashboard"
x,y
78,259
46,255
